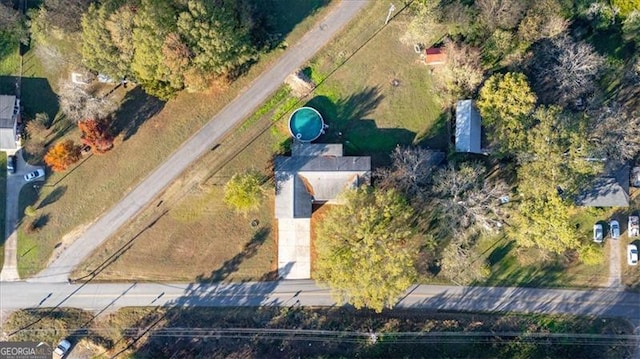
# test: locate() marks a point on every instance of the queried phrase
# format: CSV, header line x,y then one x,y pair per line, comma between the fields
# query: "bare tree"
x,y
78,104
466,198
8,17
411,170
501,13
543,20
65,14
461,264
564,70
616,132
462,73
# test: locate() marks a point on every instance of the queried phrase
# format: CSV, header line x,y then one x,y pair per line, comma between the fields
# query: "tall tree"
x,y
564,70
461,264
64,14
120,27
626,6
543,221
366,248
555,155
505,103
95,134
465,198
218,35
615,132
543,20
410,171
62,155
551,170
154,20
462,73
504,14
244,191
78,104
631,27
98,50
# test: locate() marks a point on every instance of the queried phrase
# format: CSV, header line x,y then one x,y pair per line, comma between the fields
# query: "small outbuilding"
x,y
435,56
468,127
9,116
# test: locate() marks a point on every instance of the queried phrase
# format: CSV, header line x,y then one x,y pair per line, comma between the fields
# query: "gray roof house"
x,y
607,191
314,174
9,112
468,127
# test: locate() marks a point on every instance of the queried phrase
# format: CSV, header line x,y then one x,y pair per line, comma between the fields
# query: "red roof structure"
x,y
435,56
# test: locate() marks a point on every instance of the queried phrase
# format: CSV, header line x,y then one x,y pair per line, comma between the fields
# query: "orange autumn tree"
x,y
95,134
62,155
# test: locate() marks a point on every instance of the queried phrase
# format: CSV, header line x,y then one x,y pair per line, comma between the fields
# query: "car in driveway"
x,y
11,164
63,348
615,229
632,254
32,176
598,233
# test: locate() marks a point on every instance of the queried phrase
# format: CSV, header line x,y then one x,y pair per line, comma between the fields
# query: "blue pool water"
x,y
306,124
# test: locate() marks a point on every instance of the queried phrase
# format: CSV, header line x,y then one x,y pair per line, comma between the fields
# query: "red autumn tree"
x,y
62,155
95,134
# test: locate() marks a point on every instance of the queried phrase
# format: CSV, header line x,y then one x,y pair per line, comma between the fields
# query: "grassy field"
x,y
9,55
148,131
338,332
372,115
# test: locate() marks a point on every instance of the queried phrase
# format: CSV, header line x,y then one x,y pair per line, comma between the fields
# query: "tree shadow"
x,y
359,135
39,222
137,107
36,95
252,294
438,136
500,253
53,196
230,266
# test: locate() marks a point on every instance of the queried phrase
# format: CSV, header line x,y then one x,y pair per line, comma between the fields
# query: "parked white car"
x,y
632,254
598,233
63,348
32,176
615,229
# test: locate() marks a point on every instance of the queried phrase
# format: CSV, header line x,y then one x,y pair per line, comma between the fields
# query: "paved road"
x,y
202,141
14,184
99,297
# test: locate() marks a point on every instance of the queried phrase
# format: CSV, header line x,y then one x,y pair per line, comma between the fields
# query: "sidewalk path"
x,y
230,116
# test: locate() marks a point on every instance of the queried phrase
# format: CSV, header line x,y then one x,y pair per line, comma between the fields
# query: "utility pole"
x,y
392,8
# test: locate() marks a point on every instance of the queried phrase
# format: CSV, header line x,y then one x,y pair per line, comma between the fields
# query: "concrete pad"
x,y
294,248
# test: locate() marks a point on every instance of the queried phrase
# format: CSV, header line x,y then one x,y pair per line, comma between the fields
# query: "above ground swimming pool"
x,y
306,124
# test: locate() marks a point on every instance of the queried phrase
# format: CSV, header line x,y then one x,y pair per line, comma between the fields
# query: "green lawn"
x,y
148,132
9,55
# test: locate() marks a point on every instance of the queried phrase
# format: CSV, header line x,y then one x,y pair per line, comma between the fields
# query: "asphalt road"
x,y
211,134
107,297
